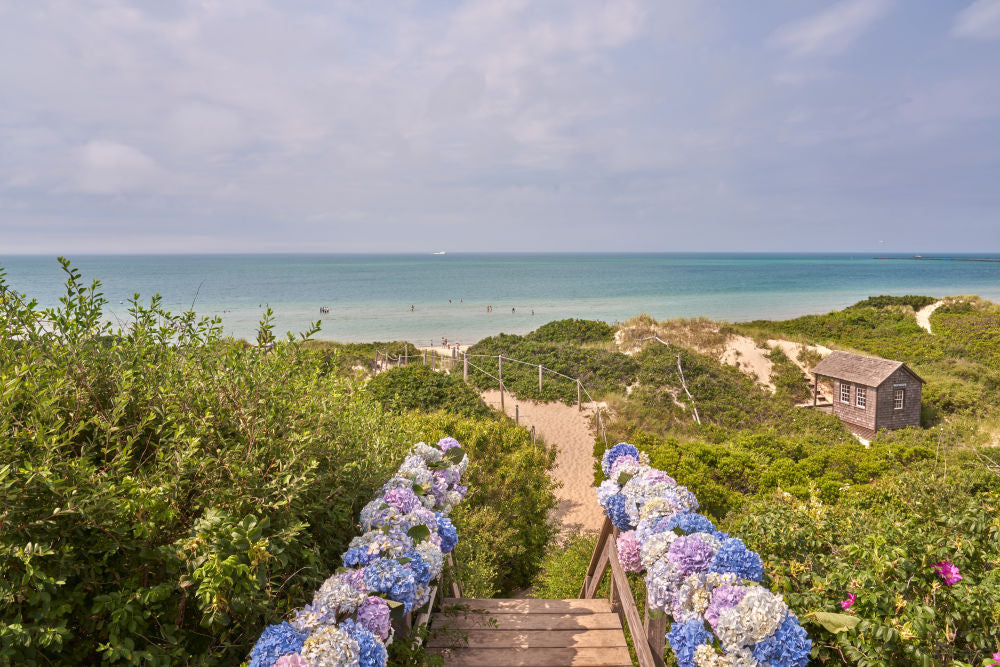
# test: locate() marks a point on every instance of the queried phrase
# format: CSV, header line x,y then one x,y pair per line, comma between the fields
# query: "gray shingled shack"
x,y
870,393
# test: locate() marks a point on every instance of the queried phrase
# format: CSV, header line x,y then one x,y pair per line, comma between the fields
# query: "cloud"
x,y
980,20
832,31
108,167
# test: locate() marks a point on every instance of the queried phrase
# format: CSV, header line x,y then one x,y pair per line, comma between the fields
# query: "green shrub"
x,y
420,388
166,492
599,370
349,359
879,543
573,331
912,300
787,377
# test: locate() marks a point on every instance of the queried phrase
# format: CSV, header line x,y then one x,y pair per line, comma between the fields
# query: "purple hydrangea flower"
x,y
612,454
374,615
402,499
448,443
690,555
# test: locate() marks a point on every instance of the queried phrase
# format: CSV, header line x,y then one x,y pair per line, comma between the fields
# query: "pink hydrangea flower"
x,y
948,572
628,552
846,604
291,660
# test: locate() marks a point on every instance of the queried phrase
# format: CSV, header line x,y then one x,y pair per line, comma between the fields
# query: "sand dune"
x,y
924,315
569,430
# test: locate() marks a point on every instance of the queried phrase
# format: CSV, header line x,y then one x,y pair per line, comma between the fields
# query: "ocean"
x,y
370,296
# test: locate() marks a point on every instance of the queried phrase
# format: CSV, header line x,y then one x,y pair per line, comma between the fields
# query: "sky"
x,y
504,125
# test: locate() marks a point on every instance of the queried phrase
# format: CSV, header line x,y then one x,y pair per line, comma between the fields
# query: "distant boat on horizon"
x,y
439,252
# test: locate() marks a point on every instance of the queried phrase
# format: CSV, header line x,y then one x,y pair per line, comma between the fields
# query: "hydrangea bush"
x,y
391,564
707,581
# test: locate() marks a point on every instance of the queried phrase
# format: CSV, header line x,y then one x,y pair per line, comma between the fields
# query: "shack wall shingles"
x,y
888,416
849,412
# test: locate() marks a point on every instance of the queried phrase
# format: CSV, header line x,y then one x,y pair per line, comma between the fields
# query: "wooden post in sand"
x,y
465,366
425,357
517,415
539,382
533,437
500,374
406,354
579,396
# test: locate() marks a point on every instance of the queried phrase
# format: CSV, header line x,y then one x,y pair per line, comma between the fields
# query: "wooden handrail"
x,y
648,634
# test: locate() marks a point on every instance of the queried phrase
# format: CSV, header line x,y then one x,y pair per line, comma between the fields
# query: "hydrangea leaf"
x,y
455,455
420,532
835,623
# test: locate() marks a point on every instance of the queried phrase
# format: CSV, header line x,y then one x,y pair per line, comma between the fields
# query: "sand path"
x,y
742,352
924,315
569,430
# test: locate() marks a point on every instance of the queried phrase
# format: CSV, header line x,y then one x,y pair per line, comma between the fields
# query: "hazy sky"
x,y
499,125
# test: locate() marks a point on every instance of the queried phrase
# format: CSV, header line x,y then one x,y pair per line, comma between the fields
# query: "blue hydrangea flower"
x,y
789,646
617,513
685,638
372,652
387,575
421,570
274,642
612,454
449,536
357,557
691,522
736,558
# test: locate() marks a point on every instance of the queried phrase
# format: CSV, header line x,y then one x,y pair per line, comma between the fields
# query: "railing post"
x,y
655,624
614,596
465,366
579,396
406,354
539,381
425,357
500,376
533,438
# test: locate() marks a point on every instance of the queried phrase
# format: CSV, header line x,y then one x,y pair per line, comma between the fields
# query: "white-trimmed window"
x,y
898,399
845,392
861,397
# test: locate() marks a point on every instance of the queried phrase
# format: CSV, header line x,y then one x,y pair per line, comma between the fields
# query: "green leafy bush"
x,y
573,331
912,300
879,543
420,388
600,370
167,492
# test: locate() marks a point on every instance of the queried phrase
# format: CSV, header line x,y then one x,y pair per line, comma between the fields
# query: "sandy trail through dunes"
x,y
924,315
569,430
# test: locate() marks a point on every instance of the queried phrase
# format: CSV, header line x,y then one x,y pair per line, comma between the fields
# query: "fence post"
x,y
517,414
539,381
533,437
425,357
406,354
579,396
656,631
465,366
500,377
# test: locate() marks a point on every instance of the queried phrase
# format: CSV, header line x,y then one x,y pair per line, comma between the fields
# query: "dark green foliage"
x,y
420,388
879,543
574,331
503,521
912,300
165,492
599,370
787,377
970,330
353,358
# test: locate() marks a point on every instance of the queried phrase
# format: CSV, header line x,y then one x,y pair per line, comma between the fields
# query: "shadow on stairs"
x,y
530,633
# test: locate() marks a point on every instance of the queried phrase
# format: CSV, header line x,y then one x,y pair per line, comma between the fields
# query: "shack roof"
x,y
859,369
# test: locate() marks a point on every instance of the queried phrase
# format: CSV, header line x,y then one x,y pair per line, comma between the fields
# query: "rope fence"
x,y
385,360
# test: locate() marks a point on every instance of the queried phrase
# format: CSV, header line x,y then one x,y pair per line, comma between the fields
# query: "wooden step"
x,y
538,657
529,633
531,605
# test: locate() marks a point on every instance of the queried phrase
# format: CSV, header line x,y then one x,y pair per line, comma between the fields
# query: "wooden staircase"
x,y
529,633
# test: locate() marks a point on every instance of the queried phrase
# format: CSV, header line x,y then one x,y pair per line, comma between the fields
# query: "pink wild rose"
x,y
948,572
846,604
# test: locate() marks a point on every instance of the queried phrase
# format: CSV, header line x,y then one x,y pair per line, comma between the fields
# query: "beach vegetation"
x,y
417,387
166,492
914,301
575,331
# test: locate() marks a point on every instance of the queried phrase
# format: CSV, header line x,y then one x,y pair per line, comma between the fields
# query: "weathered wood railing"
x,y
424,613
649,632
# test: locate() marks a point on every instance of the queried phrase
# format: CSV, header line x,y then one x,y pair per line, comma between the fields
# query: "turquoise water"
x,y
370,295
